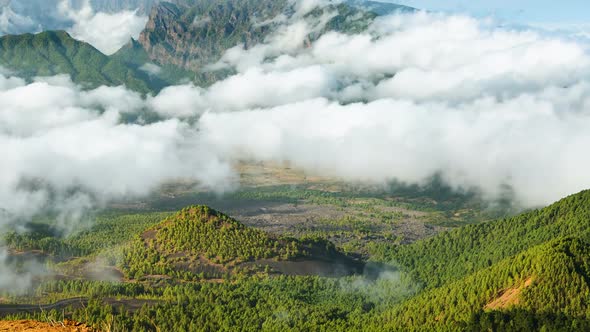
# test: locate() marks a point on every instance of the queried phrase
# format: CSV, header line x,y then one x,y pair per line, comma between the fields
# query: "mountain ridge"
x,y
171,41
200,242
51,53
468,249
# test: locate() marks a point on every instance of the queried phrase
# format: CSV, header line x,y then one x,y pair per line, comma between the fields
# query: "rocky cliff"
x,y
191,36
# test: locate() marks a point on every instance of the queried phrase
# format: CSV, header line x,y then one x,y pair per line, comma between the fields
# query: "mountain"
x,y
191,36
544,288
529,272
144,6
466,250
193,33
56,52
179,39
201,243
526,273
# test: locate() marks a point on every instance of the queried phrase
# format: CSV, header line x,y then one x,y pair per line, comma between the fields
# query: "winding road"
x,y
75,303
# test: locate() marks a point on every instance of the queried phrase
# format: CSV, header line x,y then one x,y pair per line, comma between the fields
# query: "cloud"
x,y
69,146
579,31
525,142
31,16
7,82
13,23
254,88
289,36
108,32
201,21
432,94
179,101
414,95
151,69
14,276
485,106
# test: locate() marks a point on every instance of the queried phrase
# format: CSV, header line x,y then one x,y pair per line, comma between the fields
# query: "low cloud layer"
x,y
486,107
414,95
108,32
67,148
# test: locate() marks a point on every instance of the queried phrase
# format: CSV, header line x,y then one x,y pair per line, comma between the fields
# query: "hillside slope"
x,y
458,253
526,273
180,38
199,242
545,287
191,36
194,33
56,52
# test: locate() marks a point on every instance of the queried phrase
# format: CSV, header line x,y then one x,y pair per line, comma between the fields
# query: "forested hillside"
x,y
180,38
199,242
56,52
455,254
529,272
544,288
291,165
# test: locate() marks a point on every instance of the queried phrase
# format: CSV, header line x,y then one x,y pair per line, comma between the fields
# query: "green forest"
x,y
224,219
200,270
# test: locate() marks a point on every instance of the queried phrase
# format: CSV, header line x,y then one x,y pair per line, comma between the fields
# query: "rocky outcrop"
x,y
195,35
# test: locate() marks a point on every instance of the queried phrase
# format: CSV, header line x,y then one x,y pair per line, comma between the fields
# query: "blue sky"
x,y
520,11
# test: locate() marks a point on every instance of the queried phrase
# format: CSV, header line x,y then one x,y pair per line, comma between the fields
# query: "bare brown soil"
x,y
509,297
131,305
271,173
35,326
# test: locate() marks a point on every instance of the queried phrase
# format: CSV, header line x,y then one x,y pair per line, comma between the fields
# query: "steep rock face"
x,y
193,33
191,36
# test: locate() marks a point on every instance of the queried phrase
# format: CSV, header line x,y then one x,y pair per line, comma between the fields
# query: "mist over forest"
x,y
359,159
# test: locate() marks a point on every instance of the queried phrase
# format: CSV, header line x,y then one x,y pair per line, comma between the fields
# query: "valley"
x,y
140,256
131,263
279,165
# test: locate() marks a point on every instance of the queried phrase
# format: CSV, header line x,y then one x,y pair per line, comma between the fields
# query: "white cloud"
x,y
14,23
256,88
482,105
201,21
16,278
525,142
7,82
108,32
67,145
151,69
179,101
253,88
